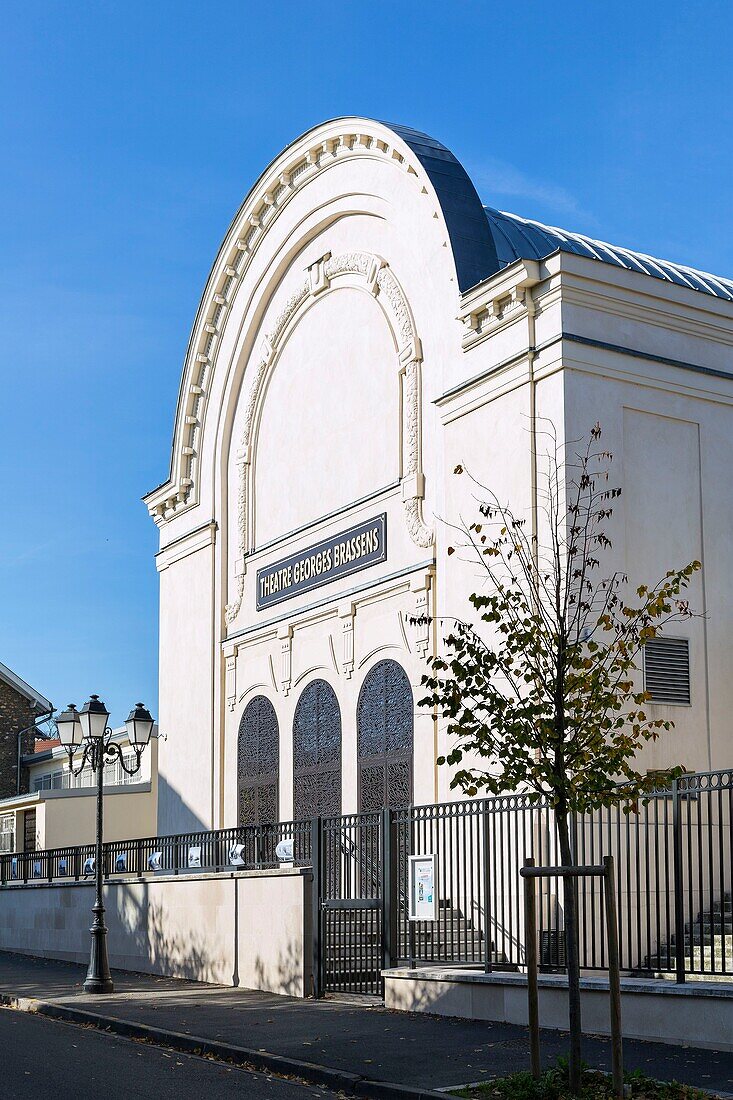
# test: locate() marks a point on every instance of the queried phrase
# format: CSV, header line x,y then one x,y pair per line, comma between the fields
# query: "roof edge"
x,y
44,705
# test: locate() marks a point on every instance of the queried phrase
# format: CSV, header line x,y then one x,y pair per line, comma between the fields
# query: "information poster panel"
x,y
422,890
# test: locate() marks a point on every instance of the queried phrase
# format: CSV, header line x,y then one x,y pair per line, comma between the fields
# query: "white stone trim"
x,y
188,544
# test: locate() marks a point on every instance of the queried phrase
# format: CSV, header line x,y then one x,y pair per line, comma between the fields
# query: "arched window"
x,y
317,752
384,726
258,753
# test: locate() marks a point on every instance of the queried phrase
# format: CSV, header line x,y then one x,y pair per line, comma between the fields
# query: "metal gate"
x,y
354,903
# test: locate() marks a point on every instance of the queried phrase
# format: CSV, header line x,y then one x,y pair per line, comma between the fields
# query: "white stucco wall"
x,y
188,659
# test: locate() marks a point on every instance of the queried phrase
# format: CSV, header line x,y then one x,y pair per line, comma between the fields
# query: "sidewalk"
x,y
356,1044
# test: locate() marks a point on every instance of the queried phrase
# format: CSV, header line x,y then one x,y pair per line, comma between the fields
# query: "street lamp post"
x,y
89,728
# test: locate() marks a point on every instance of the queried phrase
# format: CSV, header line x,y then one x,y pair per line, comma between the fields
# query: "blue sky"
x,y
129,134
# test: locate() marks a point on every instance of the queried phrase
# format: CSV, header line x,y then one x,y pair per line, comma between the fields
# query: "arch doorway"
x,y
258,758
385,733
317,753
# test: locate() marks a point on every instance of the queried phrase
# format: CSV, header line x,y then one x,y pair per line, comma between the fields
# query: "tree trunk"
x,y
571,950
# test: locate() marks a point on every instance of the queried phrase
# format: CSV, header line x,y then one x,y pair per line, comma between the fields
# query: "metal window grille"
x,y
667,670
317,752
384,723
258,755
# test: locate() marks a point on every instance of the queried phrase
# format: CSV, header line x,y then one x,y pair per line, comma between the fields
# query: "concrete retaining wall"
x,y
697,1014
250,928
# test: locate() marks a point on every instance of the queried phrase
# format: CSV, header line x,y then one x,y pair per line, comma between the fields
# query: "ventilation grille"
x,y
667,670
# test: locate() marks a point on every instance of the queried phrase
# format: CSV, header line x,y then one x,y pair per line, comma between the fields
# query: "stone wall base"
x,y
697,1014
249,928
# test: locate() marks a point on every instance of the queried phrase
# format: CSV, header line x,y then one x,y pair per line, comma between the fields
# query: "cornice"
x,y
326,607
635,296
614,362
497,303
187,544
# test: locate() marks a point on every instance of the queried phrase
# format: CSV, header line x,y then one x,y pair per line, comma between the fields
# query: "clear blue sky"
x,y
129,134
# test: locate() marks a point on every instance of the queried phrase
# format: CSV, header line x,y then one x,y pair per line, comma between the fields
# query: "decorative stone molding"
x,y
421,588
285,637
346,616
497,302
378,280
287,176
230,660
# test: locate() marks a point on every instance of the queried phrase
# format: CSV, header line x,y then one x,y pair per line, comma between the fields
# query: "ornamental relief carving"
x,y
379,281
180,491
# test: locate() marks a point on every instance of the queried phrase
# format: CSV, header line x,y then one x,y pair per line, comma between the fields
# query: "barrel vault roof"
x,y
522,238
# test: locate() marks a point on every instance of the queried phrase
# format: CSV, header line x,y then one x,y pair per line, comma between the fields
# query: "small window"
x,y
7,833
667,670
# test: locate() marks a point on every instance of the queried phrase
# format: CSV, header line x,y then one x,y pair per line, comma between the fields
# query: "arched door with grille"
x,y
385,729
317,753
258,754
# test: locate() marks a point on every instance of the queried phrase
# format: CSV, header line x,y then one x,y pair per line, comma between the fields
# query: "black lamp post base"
x,y
98,979
99,985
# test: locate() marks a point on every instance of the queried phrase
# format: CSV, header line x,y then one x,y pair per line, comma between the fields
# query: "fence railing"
x,y
674,880
673,856
250,847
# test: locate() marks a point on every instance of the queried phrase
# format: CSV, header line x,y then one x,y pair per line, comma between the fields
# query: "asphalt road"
x,y
42,1058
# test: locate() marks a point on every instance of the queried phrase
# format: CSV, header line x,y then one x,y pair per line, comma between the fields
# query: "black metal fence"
x,y
248,848
674,879
674,871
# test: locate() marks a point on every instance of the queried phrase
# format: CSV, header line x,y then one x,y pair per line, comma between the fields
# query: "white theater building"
x,y
368,324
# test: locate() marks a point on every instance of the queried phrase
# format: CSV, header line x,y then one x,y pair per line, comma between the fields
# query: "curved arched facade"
x,y
367,327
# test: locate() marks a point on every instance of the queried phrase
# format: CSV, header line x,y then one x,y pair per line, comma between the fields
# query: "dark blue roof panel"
x,y
518,238
470,238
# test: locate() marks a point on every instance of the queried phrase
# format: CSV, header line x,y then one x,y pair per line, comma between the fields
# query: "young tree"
x,y
547,701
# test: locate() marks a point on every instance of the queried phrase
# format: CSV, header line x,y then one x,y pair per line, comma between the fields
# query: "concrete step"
x,y
723,927
699,938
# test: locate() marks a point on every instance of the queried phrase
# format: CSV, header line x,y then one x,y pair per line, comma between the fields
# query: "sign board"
x,y
121,861
236,855
89,866
422,892
284,851
326,561
155,861
194,855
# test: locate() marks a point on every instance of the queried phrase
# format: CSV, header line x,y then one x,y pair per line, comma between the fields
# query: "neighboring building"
x,y
21,707
366,326
59,808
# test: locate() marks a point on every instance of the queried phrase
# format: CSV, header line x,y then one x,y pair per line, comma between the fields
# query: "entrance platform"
x,y
656,1010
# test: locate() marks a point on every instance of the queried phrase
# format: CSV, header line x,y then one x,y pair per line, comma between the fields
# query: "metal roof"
x,y
472,245
518,238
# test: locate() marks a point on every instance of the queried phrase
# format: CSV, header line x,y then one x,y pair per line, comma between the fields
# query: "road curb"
x,y
339,1080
